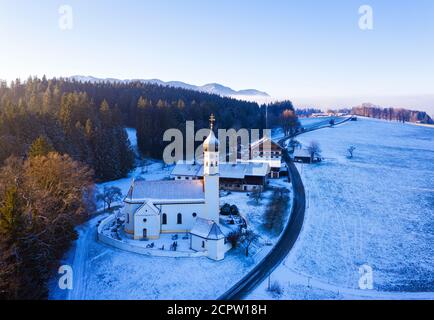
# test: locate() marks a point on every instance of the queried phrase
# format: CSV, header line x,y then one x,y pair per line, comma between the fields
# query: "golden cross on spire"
x,y
212,120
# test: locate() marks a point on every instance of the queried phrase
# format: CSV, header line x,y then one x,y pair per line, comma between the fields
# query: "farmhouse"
x,y
265,150
181,206
233,176
304,156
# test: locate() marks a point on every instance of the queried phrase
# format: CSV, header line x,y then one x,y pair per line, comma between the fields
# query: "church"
x,y
187,206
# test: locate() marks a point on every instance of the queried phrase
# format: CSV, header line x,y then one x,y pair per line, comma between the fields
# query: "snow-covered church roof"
x,y
211,143
207,229
166,190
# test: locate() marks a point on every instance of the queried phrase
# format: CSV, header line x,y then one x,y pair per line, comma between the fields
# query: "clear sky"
x,y
311,51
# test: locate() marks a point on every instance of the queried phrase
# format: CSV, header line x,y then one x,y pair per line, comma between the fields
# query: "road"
x,y
283,246
86,233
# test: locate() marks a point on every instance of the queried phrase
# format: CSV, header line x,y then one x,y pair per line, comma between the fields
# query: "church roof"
x,y
257,169
259,142
211,143
207,229
166,190
302,153
186,169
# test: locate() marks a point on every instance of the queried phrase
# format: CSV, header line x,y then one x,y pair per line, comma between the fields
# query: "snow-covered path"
x,y
86,233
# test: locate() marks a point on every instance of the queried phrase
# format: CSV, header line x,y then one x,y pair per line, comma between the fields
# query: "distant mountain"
x,y
212,88
396,114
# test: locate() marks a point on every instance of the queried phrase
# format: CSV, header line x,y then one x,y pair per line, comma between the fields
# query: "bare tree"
x,y
109,195
294,144
256,195
248,237
234,238
289,122
351,150
276,289
314,149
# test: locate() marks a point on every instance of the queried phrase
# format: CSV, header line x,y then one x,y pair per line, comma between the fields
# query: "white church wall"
x,y
129,210
122,245
198,244
149,223
212,197
216,249
186,211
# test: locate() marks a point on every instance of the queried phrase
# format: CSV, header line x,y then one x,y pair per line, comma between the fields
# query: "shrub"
x,y
234,238
234,210
225,210
276,289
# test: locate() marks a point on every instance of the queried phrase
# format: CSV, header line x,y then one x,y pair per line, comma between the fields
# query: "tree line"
x,y
395,114
86,120
70,121
42,199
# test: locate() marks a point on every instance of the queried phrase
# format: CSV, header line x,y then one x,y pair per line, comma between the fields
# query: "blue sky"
x,y
310,51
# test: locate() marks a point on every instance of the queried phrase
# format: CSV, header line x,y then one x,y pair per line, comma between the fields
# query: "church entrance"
x,y
145,233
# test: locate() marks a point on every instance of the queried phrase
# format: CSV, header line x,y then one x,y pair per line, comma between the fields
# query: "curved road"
x,y
283,246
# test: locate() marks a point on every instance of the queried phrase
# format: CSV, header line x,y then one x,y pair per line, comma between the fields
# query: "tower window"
x,y
179,218
194,214
164,219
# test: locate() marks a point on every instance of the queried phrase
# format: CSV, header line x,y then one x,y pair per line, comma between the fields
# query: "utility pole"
x,y
269,282
266,116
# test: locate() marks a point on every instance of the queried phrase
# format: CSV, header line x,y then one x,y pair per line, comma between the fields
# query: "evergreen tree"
x,y
40,147
11,220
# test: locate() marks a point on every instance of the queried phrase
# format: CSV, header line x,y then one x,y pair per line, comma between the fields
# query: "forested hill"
x,y
397,114
86,120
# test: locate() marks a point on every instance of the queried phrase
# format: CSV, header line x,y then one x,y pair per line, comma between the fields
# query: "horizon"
x,y
334,103
314,54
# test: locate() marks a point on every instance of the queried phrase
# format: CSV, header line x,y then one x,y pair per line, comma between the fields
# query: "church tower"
x,y
211,174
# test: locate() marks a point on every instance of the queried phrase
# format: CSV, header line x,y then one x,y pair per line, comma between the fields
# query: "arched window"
x,y
164,219
179,218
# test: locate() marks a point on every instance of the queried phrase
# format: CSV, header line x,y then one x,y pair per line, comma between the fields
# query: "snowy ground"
x,y
376,209
104,272
254,212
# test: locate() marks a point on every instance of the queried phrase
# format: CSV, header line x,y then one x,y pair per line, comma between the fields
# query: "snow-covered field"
x,y
375,209
103,272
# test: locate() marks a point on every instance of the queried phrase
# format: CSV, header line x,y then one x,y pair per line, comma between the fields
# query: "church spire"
x,y
211,121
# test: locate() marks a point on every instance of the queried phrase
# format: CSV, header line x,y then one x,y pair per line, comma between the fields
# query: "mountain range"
x,y
211,88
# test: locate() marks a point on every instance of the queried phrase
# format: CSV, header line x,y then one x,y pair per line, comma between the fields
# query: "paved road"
x,y
324,124
283,246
